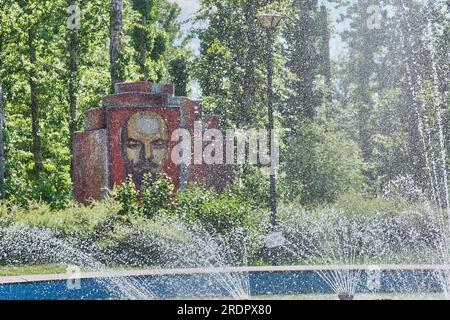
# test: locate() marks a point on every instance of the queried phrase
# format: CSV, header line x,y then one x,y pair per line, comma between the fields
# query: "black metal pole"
x,y
273,188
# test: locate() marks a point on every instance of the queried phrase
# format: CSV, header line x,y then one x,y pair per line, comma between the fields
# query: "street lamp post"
x,y
269,22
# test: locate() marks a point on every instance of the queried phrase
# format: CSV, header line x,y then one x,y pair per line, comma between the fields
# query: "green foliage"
x,y
154,195
404,233
360,205
128,197
231,69
99,228
153,31
374,99
252,187
220,213
383,87
320,164
91,82
306,37
74,219
53,183
50,188
180,73
397,225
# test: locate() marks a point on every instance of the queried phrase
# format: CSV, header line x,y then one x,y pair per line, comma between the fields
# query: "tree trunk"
x,y
2,143
115,49
37,152
73,82
325,52
143,50
306,54
249,86
141,35
419,152
2,148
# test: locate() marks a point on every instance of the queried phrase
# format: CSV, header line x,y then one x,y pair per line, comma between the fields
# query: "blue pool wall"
x,y
204,285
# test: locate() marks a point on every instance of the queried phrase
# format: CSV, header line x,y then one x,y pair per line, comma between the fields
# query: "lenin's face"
x,y
144,145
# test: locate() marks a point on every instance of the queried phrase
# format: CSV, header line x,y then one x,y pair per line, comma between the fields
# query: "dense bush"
x,y
220,213
253,187
372,230
319,164
155,194
357,229
99,231
73,220
217,212
135,227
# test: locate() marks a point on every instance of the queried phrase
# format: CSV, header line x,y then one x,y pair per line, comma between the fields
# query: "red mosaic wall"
x,y
115,121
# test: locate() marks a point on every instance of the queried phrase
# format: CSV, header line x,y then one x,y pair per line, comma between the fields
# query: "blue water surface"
x,y
203,285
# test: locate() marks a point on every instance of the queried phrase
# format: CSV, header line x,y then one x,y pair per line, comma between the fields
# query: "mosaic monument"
x,y
130,135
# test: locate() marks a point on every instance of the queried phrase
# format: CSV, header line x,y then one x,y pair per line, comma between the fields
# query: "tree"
x,y
115,47
304,57
232,66
325,58
34,102
72,65
180,73
310,130
2,122
386,88
153,34
141,34
363,79
2,147
320,164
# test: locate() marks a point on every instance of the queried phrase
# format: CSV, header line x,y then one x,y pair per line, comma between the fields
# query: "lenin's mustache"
x,y
144,166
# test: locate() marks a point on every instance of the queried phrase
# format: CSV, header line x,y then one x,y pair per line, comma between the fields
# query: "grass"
x,y
10,271
27,270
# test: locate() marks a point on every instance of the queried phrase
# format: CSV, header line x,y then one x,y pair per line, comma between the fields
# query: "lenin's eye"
x,y
133,144
159,144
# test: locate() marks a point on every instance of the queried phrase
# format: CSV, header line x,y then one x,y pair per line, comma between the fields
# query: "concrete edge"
x,y
192,271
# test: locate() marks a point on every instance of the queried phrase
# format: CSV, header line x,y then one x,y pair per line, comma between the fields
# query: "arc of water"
x,y
422,126
338,249
430,33
213,253
443,244
127,287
